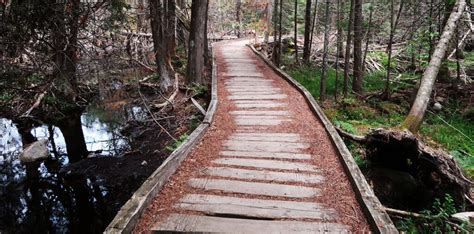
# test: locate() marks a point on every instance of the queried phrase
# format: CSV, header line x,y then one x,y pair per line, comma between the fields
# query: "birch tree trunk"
x,y
418,109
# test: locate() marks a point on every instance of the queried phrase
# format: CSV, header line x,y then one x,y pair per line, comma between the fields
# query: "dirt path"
x,y
265,165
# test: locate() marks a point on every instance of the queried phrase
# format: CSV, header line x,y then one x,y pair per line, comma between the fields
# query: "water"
x,y
37,197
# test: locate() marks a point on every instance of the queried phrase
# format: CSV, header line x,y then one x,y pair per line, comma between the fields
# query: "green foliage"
x,y
433,220
173,146
5,97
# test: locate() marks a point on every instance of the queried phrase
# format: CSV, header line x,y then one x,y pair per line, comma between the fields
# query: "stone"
x,y
35,151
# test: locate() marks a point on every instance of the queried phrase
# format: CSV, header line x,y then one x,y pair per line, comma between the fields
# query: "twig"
x,y
199,107
153,116
171,98
36,104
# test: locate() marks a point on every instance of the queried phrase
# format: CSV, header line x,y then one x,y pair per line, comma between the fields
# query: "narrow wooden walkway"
x,y
266,164
263,175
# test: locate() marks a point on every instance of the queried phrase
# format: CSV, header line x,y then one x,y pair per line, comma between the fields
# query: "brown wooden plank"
x,y
256,188
258,208
196,223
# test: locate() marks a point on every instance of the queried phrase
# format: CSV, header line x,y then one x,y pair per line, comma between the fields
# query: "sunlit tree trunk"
x,y
418,109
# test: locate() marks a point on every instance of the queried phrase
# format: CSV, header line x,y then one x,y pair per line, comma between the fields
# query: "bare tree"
x,y
339,46
347,57
418,109
238,9
393,28
327,26
195,68
357,81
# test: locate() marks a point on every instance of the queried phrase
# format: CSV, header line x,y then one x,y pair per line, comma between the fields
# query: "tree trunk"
x,y
307,31
393,28
418,109
195,67
313,25
268,29
238,5
357,81
276,50
367,37
65,43
171,28
207,52
280,25
347,57
160,44
339,46
296,32
71,128
327,25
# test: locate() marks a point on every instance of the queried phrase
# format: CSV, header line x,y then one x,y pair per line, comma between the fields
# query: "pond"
x,y
38,196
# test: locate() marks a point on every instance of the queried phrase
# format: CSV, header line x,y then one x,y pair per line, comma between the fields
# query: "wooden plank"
x,y
267,164
263,175
263,112
268,146
257,97
260,105
259,122
255,208
196,223
265,138
260,154
255,188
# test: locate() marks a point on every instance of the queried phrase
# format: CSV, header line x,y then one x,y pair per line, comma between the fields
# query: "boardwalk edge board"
x,y
378,219
128,215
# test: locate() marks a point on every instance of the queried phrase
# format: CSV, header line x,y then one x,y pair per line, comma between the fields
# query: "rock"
x,y
464,217
144,163
35,151
437,106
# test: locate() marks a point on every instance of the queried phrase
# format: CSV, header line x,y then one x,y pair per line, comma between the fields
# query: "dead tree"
x,y
418,109
195,68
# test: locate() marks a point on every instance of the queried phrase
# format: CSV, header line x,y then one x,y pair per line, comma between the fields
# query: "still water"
x,y
36,197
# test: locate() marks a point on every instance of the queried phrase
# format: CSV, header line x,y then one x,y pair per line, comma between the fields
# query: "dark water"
x,y
36,198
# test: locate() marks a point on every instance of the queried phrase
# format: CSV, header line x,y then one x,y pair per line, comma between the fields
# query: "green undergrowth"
x,y
177,142
449,130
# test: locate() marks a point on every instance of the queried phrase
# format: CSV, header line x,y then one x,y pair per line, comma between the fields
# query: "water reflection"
x,y
36,197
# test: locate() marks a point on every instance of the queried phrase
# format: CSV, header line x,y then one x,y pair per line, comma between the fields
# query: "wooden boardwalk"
x,y
267,161
255,152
